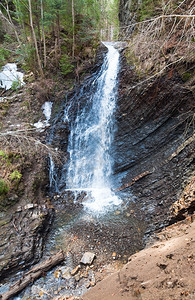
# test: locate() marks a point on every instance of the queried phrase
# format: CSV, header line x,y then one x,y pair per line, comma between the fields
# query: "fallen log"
x,y
134,180
33,274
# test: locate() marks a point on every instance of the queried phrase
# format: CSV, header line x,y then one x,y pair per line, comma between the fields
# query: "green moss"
x,y
4,107
16,84
147,9
8,157
186,76
3,155
4,55
65,65
15,175
25,104
4,189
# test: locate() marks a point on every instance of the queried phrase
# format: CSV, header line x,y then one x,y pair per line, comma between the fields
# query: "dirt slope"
x,y
165,270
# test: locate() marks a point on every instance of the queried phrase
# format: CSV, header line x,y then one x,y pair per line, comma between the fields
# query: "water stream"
x,y
89,215
90,166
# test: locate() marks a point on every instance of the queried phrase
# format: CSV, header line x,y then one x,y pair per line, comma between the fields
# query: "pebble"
x,y
57,274
87,258
92,283
75,270
170,284
77,277
66,273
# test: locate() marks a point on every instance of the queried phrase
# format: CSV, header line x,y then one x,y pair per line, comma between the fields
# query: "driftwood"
x,y
126,185
33,274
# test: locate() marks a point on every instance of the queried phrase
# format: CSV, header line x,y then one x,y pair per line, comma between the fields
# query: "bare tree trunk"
x,y
35,39
58,32
73,30
9,20
43,34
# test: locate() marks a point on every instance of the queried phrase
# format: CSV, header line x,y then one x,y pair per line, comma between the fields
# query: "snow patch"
x,y
9,75
46,107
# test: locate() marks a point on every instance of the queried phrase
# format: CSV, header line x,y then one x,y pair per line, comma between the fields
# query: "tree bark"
x,y
43,35
35,40
33,274
73,30
9,20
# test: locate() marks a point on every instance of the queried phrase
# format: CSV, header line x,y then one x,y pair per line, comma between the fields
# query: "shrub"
x,y
3,155
26,57
65,64
15,175
16,84
186,76
3,187
4,54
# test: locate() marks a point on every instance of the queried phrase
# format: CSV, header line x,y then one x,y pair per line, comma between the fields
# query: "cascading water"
x,y
91,136
90,113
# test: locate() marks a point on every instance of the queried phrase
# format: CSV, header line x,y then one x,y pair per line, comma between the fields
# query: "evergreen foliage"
x,y
53,34
4,54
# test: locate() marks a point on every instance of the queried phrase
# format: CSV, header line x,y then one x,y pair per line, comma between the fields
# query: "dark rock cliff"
x,y
154,138
127,15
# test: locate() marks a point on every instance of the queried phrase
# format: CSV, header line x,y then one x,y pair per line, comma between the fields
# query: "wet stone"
x,y
65,271
92,283
77,277
75,270
87,258
22,237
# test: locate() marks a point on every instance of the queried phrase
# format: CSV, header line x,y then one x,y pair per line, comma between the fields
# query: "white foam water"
x,y
91,137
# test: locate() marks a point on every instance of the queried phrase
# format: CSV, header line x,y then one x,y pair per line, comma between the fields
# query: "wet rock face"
x,y
128,15
185,204
152,122
22,237
75,100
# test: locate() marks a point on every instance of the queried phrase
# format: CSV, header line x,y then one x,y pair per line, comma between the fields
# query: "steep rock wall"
x,y
152,122
127,11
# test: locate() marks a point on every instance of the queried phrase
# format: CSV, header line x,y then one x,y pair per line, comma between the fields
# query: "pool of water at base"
x,y
112,236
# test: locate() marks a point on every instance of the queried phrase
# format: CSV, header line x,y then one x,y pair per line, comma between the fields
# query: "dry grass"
x,y
162,41
23,142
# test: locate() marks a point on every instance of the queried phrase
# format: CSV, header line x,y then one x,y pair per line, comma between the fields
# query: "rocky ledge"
x,y
22,237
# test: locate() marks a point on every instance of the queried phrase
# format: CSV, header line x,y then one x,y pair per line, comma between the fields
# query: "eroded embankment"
x,y
162,271
153,153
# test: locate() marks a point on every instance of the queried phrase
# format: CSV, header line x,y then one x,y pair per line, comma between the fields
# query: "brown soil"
x,y
165,270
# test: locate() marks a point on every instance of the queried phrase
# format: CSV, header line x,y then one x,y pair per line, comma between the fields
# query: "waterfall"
x,y
90,140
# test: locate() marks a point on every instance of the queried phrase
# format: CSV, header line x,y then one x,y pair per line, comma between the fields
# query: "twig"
x,y
156,74
26,142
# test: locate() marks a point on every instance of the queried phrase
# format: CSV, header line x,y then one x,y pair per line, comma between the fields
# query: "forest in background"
x,y
49,38
51,35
